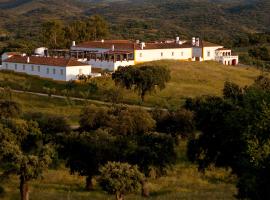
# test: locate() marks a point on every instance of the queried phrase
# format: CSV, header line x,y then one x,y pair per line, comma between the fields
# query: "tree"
x,y
98,27
233,92
22,152
144,79
131,121
120,179
179,123
236,135
52,34
50,125
93,118
87,152
9,109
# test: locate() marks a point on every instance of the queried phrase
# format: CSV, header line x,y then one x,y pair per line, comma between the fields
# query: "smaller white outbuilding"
x,y
61,69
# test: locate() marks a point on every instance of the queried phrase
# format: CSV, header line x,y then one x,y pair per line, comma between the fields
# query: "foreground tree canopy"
x,y
22,152
144,79
235,132
120,179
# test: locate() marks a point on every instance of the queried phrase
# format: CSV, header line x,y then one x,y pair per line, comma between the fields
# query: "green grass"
x,y
63,107
182,182
189,79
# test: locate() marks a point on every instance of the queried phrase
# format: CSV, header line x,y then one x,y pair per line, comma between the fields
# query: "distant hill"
x,y
150,19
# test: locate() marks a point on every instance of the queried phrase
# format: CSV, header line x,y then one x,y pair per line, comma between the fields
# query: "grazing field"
x,y
62,107
189,79
183,182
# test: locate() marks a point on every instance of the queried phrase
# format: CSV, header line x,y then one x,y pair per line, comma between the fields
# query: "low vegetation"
x,y
188,79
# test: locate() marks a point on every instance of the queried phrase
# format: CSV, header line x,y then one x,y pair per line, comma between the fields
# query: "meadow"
x,y
183,180
189,79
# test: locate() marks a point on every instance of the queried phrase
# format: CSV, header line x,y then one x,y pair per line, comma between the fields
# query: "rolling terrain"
x,y
144,19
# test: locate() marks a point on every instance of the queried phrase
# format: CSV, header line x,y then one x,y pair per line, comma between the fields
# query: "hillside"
x,y
189,79
218,20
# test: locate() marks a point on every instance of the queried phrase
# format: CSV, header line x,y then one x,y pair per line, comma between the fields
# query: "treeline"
x,y
56,34
125,140
235,133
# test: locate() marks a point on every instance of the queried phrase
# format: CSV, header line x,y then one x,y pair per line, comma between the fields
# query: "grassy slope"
x,y
183,182
189,79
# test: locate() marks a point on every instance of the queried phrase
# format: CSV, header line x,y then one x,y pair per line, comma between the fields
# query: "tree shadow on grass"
x,y
160,193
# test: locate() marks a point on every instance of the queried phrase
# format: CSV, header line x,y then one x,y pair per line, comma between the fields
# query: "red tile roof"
x,y
50,61
126,45
225,49
118,44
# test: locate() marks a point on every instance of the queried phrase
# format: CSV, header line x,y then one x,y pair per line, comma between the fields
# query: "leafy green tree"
x,y
52,34
50,125
87,152
98,27
233,92
22,152
9,109
93,118
237,136
131,121
120,179
144,79
179,123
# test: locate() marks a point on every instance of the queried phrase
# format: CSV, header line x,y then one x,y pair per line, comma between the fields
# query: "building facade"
x,y
60,69
111,54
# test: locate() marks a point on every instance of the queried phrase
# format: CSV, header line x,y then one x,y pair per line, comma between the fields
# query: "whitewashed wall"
x,y
73,71
53,72
156,54
109,65
212,51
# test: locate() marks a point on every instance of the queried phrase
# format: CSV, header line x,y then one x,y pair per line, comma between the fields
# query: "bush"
x,y
120,179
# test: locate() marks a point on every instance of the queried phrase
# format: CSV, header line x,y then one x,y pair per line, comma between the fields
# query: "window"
x,y
6,66
62,72
48,70
208,53
54,71
161,54
33,68
182,53
38,68
140,54
16,67
172,53
23,67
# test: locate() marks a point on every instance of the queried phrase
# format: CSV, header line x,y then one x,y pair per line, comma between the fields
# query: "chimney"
x,y
177,40
142,45
193,41
73,43
197,42
112,47
28,59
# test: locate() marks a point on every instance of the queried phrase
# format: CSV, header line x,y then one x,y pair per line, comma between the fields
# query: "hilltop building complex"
x,y
110,54
65,65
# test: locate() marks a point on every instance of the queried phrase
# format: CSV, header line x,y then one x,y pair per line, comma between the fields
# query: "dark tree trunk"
x,y
143,95
24,189
119,196
89,183
145,189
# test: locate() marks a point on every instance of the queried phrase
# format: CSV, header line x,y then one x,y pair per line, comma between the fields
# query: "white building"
x,y
110,54
48,67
